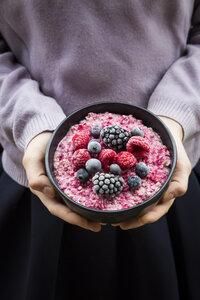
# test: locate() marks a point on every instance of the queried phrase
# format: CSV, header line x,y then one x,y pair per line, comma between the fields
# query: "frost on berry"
x,y
126,160
138,146
107,157
80,157
158,159
80,140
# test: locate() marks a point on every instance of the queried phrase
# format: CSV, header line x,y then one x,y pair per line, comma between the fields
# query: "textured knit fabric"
x,y
56,56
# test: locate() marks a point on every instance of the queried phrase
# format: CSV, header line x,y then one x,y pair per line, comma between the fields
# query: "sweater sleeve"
x,y
178,93
24,110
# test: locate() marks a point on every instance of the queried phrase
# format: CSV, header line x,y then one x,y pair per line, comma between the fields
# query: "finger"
x,y
179,182
35,171
154,215
61,211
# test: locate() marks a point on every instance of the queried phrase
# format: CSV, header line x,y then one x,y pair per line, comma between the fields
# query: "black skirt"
x,y
41,257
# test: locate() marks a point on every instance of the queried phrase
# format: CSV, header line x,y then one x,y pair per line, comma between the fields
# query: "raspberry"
x,y
80,140
107,157
138,146
126,160
80,157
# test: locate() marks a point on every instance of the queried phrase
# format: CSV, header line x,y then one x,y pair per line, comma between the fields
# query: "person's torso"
x,y
85,51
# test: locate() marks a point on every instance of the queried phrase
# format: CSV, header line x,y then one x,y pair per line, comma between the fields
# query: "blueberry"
x,y
142,169
93,165
95,131
134,181
115,169
93,140
82,175
137,131
94,147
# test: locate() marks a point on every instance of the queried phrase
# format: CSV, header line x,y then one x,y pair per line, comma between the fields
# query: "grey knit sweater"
x,y
56,56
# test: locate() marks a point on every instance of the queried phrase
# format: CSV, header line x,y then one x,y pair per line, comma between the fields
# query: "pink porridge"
x,y
157,158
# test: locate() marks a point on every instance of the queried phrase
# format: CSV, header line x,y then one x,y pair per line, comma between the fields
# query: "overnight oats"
x,y
111,162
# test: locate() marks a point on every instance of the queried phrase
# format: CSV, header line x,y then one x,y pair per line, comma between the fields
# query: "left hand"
x,y
178,184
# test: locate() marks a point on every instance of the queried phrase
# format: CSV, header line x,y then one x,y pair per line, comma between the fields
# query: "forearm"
x,y
24,110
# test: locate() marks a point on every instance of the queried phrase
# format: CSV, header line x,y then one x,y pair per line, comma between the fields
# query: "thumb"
x,y
179,182
33,163
35,171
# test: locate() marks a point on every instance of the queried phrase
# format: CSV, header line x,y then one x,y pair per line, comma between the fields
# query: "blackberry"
x,y
114,136
107,184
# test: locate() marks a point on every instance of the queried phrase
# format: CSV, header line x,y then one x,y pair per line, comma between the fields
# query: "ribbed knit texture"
x,y
60,55
33,127
175,109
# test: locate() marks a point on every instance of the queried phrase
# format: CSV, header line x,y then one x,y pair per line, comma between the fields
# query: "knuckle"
x,y
152,219
181,190
141,221
34,183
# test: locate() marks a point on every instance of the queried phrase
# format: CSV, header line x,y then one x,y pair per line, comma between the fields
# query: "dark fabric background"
x,y
41,257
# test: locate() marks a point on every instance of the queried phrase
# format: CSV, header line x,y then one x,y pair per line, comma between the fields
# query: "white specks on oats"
x,y
158,161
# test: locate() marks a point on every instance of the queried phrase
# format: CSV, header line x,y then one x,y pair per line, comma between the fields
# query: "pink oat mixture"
x,y
158,161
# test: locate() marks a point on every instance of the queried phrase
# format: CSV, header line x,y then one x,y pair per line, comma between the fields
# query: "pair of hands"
x,y
40,185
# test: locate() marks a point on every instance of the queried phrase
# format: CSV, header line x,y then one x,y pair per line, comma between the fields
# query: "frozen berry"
x,y
107,158
138,146
95,131
82,175
115,169
94,147
107,184
80,140
126,160
142,169
80,157
93,165
137,131
134,181
114,136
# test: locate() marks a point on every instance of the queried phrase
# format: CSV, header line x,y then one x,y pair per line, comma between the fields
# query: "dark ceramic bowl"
x,y
150,120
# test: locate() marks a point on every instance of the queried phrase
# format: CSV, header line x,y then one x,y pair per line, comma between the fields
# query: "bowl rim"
x,y
107,212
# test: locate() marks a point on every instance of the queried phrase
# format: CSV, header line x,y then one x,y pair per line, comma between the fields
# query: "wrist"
x,y
38,142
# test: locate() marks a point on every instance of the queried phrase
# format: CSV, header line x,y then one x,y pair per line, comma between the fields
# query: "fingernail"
x,y
115,224
48,191
103,224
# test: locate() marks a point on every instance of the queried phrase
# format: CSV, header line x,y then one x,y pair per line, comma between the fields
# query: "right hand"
x,y
33,162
